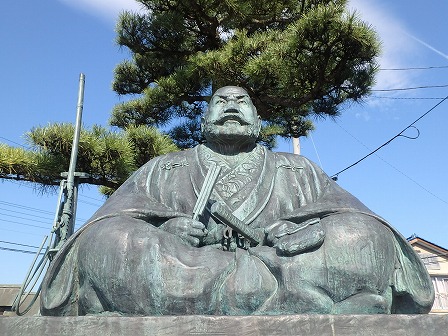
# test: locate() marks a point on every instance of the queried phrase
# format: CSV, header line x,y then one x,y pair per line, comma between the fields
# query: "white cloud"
x,y
430,47
398,47
105,9
363,114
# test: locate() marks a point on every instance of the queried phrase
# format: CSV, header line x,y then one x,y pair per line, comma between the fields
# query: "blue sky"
x,y
45,45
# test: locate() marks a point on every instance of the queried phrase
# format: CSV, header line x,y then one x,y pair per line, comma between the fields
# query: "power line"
x,y
24,207
315,150
27,214
412,180
16,143
393,167
89,203
411,88
47,220
25,224
50,223
414,68
408,98
21,232
18,244
92,198
18,250
334,176
79,196
19,217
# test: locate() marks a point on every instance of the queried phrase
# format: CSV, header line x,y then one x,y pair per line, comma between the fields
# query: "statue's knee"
x,y
89,302
357,230
364,303
359,254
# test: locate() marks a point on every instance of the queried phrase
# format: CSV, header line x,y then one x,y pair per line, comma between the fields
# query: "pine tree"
x,y
297,59
108,157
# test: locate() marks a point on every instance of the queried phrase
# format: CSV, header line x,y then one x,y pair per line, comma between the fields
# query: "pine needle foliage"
x,y
297,59
108,157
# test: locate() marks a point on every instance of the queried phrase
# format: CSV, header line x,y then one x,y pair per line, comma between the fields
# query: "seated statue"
x,y
231,228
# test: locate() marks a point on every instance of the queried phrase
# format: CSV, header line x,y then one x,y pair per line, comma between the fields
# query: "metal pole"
x,y
67,219
64,219
296,146
74,155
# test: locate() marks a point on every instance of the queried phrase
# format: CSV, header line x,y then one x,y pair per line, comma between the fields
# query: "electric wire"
x,y
19,250
334,176
21,232
35,218
415,68
46,219
2,221
411,88
79,200
24,207
89,203
18,244
30,219
24,224
93,198
396,169
15,143
407,98
28,208
315,149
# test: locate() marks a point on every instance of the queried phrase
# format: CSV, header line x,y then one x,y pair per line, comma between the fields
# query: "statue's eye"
x,y
242,102
220,102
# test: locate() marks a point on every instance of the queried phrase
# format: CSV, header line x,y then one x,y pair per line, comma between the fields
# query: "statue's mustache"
x,y
230,116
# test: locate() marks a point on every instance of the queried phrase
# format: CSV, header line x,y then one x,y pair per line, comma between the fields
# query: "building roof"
x,y
439,250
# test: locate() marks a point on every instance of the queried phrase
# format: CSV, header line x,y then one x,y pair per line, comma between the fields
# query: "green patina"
x,y
269,234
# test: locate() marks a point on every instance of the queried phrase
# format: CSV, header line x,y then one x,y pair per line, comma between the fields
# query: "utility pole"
x,y
65,223
64,220
296,145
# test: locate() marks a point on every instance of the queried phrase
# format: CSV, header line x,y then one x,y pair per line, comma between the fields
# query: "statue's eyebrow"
x,y
223,97
226,97
242,96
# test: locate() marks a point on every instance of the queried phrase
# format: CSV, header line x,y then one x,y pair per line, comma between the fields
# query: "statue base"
x,y
306,325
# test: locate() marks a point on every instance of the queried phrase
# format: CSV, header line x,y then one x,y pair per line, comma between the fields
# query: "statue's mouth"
x,y
229,118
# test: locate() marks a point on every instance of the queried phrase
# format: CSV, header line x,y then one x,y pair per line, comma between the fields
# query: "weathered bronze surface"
x,y
277,236
200,325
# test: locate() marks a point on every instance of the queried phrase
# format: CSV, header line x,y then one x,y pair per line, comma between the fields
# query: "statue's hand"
x,y
290,238
278,230
190,230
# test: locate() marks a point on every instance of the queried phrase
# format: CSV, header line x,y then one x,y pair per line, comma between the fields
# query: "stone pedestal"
x,y
306,325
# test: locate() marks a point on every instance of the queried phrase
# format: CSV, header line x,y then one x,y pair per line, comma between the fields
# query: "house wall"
x,y
436,262
8,294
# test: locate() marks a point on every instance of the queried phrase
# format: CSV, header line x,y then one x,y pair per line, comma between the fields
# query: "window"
x,y
441,289
430,260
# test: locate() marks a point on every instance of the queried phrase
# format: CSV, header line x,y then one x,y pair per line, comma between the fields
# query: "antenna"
x,y
64,220
65,223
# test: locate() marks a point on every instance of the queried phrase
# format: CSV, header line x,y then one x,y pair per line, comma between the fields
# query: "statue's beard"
x,y
230,134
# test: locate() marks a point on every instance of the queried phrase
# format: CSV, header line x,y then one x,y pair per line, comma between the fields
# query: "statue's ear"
x,y
258,125
202,124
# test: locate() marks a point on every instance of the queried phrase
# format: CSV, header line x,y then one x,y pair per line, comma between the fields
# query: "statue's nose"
x,y
231,107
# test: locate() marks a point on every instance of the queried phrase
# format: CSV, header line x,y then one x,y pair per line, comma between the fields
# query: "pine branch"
x,y
107,157
297,59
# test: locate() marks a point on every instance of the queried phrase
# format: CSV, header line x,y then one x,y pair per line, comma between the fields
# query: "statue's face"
x,y
231,113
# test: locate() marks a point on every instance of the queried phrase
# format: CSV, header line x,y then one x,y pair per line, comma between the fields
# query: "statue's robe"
x,y
122,262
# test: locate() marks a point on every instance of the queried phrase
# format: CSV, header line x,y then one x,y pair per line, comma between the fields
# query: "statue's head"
x,y
231,116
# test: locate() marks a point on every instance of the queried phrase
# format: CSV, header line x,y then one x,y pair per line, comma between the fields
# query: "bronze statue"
x,y
231,228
